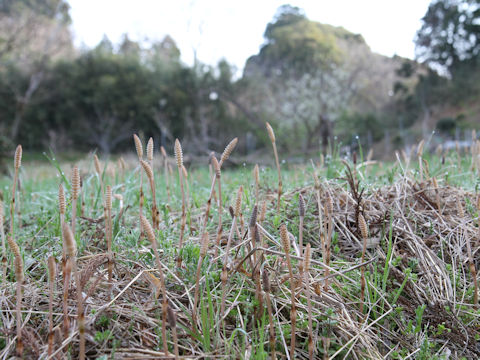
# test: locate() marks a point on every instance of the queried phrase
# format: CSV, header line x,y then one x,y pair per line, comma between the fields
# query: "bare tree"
x,y
30,40
107,131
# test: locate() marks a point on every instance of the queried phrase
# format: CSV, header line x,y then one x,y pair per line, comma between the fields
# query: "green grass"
x,y
418,295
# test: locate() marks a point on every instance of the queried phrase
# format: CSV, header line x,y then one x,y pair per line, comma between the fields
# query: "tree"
x,y
99,100
32,34
450,33
418,92
308,74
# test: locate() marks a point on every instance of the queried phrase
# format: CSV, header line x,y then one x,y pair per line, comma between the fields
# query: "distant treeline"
x,y
311,81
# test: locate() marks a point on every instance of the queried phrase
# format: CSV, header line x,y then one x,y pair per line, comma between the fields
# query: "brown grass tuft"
x,y
18,157
18,262
108,197
362,224
75,183
238,201
228,151
178,153
285,238
148,169
98,165
70,244
150,150
301,205
138,146
216,167
253,217
61,200
148,230
271,134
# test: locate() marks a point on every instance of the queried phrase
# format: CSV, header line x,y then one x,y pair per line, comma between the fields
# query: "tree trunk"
x,y
17,120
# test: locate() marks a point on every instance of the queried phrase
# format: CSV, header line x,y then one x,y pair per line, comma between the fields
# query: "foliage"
x,y
449,42
312,81
99,98
368,128
450,33
307,75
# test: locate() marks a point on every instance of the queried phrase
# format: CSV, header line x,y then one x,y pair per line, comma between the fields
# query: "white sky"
x,y
233,29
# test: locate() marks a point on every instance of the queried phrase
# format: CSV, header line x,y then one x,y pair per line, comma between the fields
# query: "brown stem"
x,y
19,349
197,290
300,234
224,274
271,327
293,311
279,175
267,289
141,202
167,178
4,249
108,223
203,253
184,219
220,225
362,279
19,207
66,286
256,178
300,244
311,345
209,203
19,277
175,342
328,243
473,271
320,219
153,241
51,273
12,204
82,204
74,214
80,313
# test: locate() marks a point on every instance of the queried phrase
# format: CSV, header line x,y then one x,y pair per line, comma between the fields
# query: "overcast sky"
x,y
233,29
